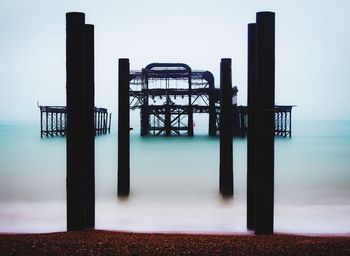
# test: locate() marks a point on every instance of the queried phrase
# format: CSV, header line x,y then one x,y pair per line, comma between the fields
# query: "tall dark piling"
x,y
226,127
265,121
90,128
123,129
76,135
251,127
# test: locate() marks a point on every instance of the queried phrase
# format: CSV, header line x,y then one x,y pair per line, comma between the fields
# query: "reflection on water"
x,y
174,182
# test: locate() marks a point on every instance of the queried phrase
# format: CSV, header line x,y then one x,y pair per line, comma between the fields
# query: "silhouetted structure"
x,y
53,121
262,99
123,128
226,128
80,123
251,127
168,94
76,132
90,125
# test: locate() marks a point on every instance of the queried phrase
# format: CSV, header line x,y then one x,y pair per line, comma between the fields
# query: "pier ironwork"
x,y
53,121
168,94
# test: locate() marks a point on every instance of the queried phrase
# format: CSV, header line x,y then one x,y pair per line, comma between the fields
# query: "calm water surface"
x,y
174,182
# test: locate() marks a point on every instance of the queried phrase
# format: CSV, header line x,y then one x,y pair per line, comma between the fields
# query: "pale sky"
x,y
312,48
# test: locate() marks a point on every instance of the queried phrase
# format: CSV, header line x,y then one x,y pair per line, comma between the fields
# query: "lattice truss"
x,y
167,95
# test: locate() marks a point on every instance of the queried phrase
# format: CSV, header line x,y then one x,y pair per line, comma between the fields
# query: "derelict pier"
x,y
168,94
53,121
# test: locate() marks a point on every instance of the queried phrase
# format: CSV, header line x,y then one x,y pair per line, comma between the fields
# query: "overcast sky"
x,y
312,48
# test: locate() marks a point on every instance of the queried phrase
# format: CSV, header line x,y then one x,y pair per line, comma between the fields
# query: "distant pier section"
x,y
169,94
53,121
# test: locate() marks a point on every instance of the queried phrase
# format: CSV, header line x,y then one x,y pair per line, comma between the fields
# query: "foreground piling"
x,y
251,127
265,101
123,129
76,135
90,126
226,127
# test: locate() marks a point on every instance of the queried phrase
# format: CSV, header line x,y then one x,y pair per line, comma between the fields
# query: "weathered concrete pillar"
x,y
90,129
226,127
123,128
251,127
76,135
265,121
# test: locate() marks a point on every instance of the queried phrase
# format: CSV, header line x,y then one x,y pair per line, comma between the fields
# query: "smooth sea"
x,y
175,182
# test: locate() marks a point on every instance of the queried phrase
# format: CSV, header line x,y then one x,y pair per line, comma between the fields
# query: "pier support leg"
x,y
212,115
226,126
212,110
76,172
167,120
144,113
123,129
290,122
109,122
90,129
265,121
190,121
190,109
51,122
41,122
251,127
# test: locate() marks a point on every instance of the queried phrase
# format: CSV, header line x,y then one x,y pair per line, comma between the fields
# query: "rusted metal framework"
x,y
168,94
283,120
53,121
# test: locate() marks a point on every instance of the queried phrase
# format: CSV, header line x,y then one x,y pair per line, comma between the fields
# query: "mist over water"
x,y
174,181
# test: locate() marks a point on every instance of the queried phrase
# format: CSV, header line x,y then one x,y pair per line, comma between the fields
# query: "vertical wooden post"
x,y
76,171
226,126
123,129
251,126
90,132
265,121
